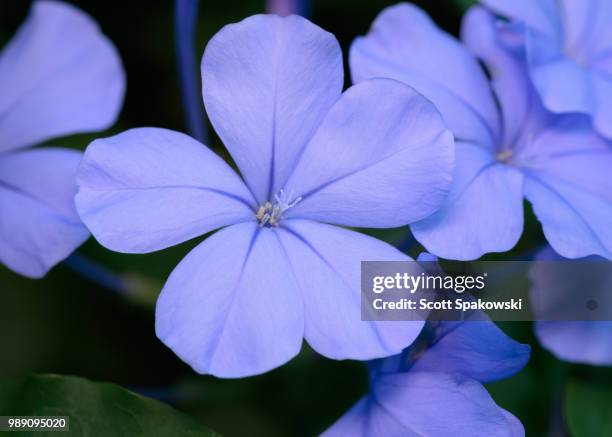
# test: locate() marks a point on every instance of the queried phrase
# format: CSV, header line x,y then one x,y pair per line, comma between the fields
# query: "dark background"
x,y
67,324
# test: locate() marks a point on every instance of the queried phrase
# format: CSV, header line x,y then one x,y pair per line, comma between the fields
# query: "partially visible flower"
x,y
243,300
508,146
434,388
587,342
569,51
59,75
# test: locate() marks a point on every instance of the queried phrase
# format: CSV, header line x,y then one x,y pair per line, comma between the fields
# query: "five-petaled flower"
x,y
242,301
434,387
59,75
508,145
569,53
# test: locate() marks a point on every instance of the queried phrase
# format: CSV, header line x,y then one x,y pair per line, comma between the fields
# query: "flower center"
x,y
270,213
504,155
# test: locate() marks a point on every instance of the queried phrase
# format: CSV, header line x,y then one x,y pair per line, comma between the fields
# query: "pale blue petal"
x,y
147,189
484,35
416,400
267,84
368,419
39,226
577,342
404,44
381,158
475,348
59,75
541,15
483,213
326,261
586,25
232,307
554,285
567,179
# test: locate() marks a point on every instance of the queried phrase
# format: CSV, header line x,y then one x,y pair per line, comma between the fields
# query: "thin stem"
x,y
97,274
185,20
288,7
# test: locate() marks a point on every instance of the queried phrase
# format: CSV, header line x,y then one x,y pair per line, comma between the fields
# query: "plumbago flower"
x,y
508,145
241,302
434,388
554,285
59,75
569,53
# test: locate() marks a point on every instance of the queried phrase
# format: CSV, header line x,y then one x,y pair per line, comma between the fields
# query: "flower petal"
x,y
147,189
483,212
415,400
381,158
586,25
554,286
467,404
59,75
577,342
404,44
243,321
483,35
39,226
568,182
475,348
367,419
267,83
540,15
326,261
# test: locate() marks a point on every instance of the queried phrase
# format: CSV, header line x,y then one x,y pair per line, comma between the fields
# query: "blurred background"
x,y
68,323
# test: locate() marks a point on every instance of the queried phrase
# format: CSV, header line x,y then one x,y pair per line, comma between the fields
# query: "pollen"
x,y
270,213
504,155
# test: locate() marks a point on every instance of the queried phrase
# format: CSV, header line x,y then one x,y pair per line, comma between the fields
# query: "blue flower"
x,y
59,75
434,388
554,286
242,301
508,146
569,51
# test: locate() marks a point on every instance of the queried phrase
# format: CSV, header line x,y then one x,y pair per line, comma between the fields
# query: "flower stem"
x,y
288,7
185,20
97,273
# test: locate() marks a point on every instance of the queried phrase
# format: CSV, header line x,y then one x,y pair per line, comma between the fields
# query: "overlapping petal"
x,y
381,158
326,261
232,307
483,212
568,46
476,349
577,342
554,286
489,40
268,82
568,182
404,44
39,225
59,75
540,15
410,404
147,189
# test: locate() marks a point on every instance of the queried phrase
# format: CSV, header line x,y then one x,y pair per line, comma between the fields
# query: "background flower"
x,y
504,153
434,387
553,289
59,75
569,51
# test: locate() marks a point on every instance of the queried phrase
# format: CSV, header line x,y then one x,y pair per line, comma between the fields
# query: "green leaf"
x,y
95,409
588,409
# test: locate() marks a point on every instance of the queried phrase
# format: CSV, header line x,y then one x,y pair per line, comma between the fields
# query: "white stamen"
x,y
270,213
